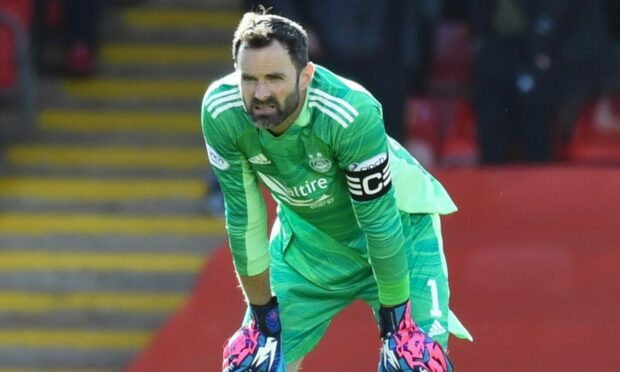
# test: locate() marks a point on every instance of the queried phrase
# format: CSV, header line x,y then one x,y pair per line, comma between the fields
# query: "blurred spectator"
x,y
512,84
82,34
67,35
583,61
455,10
428,15
529,54
613,15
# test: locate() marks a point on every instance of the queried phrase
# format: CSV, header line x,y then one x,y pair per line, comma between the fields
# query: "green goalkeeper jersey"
x,y
339,180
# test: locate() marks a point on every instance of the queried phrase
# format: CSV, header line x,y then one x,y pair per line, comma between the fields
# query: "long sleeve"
x,y
363,153
246,217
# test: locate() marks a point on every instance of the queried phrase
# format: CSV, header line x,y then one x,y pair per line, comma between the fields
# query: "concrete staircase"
x,y
102,231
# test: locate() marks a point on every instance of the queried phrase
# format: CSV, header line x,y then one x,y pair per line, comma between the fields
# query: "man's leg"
x,y
305,308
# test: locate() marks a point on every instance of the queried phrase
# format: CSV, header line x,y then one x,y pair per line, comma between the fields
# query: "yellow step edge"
x,y
123,89
33,260
162,54
170,18
36,303
82,121
79,339
180,158
100,224
100,190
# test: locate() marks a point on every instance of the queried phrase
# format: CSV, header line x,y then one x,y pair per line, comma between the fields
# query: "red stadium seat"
x,y
16,66
423,129
441,131
596,137
16,12
459,145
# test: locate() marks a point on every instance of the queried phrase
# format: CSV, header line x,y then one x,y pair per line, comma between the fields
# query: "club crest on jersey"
x,y
320,163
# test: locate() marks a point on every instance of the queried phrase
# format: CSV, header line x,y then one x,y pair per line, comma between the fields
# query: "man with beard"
x,y
358,217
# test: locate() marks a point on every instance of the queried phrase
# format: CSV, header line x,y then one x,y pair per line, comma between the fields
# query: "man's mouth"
x,y
264,109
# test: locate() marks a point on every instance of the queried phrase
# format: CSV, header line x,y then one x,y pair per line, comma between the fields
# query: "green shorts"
x,y
307,308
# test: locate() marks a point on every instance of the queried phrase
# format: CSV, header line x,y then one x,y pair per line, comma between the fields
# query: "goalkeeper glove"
x,y
405,346
256,347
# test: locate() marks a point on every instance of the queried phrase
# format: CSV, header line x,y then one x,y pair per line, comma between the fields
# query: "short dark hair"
x,y
258,29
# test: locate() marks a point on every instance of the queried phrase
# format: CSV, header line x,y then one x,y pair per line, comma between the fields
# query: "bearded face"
x,y
269,113
270,85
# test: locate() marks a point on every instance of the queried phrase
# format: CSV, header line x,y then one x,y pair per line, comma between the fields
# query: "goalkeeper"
x,y
358,217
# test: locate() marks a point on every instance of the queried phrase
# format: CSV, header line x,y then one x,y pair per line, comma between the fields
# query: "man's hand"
x,y
405,346
256,347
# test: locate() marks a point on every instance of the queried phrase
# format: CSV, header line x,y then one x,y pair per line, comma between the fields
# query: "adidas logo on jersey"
x,y
259,159
436,329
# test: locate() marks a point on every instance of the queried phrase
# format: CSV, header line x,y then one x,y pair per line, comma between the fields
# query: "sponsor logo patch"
x,y
308,194
373,162
216,160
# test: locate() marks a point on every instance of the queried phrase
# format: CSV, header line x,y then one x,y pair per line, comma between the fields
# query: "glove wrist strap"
x,y
267,317
394,318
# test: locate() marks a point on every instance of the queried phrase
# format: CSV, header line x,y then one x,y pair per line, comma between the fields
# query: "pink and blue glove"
x,y
256,347
405,346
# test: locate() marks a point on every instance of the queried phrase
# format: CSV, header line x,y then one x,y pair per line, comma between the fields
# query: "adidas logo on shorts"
x,y
436,329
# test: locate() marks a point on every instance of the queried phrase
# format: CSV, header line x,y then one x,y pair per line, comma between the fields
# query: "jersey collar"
x,y
301,121
304,116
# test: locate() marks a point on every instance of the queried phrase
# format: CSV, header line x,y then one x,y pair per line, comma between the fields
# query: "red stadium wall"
x,y
533,257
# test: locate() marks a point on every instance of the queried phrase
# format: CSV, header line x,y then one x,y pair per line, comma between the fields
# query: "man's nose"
x,y
262,91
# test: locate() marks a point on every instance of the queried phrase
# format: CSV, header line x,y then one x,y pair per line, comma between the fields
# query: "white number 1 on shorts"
x,y
435,310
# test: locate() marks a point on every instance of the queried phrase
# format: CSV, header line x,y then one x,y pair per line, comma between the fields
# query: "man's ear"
x,y
305,78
